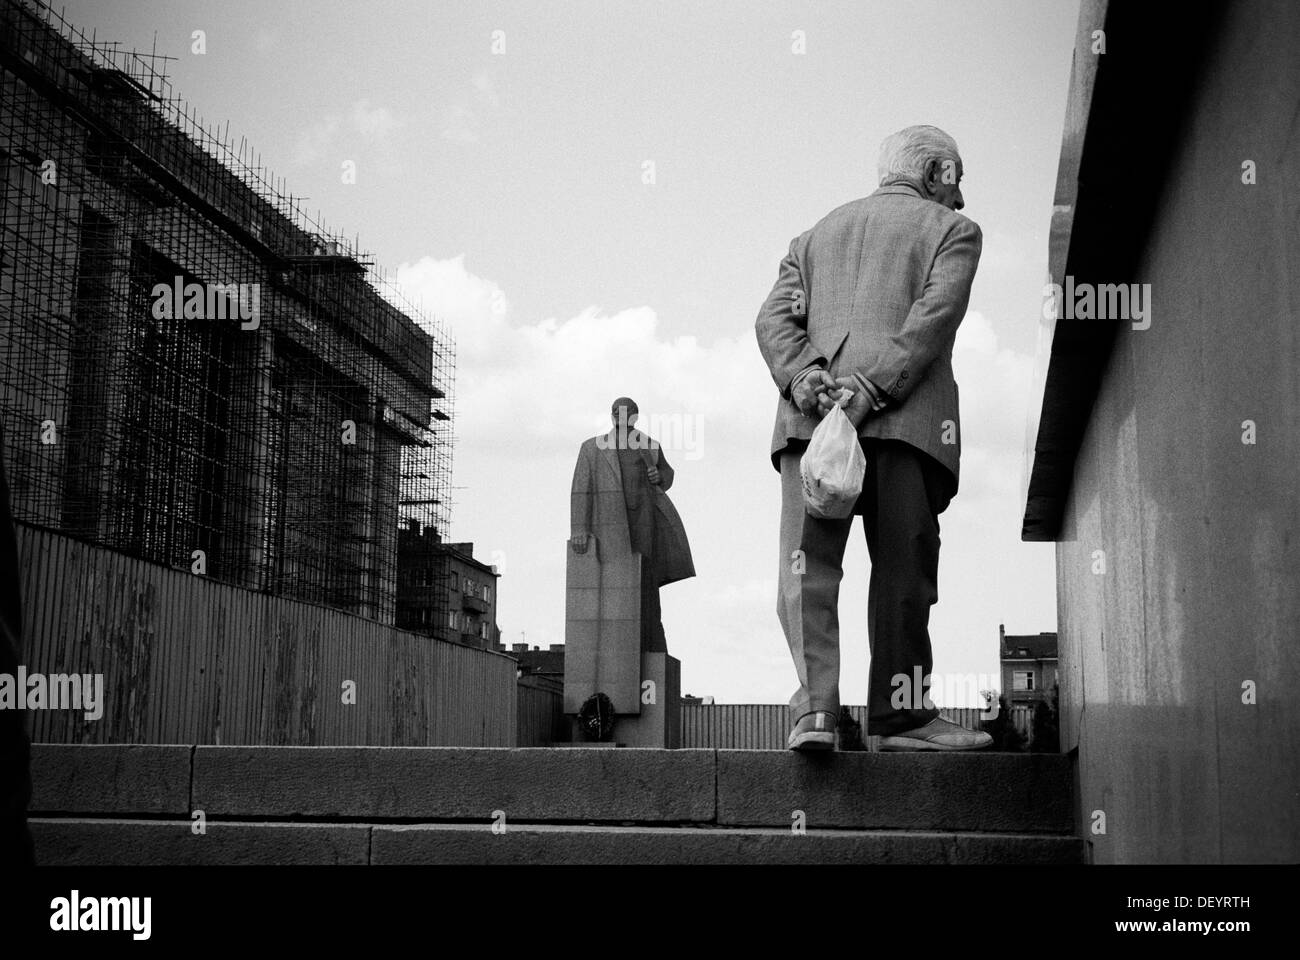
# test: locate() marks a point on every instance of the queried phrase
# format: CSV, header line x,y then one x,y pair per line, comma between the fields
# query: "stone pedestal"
x,y
659,724
602,651
602,629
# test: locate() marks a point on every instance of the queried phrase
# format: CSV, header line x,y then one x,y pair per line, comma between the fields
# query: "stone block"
x,y
582,569
582,604
620,603
1000,792
462,844
659,723
75,842
451,783
110,778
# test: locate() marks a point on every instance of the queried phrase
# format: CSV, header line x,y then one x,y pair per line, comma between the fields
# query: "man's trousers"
x,y
903,492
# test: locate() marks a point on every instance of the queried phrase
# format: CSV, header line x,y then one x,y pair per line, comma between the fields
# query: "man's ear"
x,y
930,180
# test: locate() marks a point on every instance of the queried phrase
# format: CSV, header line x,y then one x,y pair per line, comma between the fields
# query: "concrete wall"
x,y
1200,531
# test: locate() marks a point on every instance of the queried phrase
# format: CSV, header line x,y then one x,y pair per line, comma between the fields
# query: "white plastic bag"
x,y
833,465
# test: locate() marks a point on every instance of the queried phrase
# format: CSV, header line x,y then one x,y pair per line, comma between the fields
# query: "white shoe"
x,y
938,734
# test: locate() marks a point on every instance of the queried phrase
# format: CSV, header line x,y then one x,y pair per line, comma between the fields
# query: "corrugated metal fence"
x,y
541,712
189,660
765,726
723,726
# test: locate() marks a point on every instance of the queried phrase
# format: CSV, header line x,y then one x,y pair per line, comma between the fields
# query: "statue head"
x,y
623,412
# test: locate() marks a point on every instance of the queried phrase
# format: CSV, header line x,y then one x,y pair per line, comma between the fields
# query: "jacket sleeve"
x,y
581,495
934,316
782,330
666,472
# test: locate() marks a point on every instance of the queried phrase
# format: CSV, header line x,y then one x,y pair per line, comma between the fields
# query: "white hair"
x,y
903,155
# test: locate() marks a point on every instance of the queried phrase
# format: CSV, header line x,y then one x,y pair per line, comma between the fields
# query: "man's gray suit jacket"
x,y
877,288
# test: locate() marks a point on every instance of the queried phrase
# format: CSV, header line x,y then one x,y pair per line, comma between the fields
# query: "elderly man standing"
x,y
869,300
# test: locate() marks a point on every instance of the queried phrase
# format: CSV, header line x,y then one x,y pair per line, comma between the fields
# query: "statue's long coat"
x,y
598,508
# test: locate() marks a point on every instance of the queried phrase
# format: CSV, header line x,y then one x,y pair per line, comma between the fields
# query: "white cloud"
x,y
994,383
566,372
1005,251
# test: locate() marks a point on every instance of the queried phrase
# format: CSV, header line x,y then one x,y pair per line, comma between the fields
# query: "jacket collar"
x,y
900,188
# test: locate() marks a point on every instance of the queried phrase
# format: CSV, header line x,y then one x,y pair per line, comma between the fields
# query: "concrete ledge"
x,y
451,783
110,778
170,842
997,792
990,792
462,844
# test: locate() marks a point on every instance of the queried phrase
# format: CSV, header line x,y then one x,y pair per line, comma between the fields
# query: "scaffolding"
x,y
193,371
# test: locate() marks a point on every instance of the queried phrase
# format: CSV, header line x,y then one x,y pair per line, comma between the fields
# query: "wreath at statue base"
x,y
596,718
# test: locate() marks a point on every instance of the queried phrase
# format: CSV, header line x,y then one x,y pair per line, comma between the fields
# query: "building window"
x,y
487,594
1022,680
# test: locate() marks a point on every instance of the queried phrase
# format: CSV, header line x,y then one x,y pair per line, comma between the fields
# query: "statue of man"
x,y
619,499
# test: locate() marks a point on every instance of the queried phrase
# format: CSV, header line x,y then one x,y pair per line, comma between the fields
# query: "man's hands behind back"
x,y
816,391
810,392
861,405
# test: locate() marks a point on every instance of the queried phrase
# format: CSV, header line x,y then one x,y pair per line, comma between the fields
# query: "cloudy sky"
x,y
595,196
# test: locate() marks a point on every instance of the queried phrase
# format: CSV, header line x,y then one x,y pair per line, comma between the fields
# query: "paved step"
x,y
120,804
83,842
120,842
990,792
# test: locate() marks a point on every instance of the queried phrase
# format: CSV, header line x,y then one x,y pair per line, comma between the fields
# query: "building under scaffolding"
x,y
192,371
